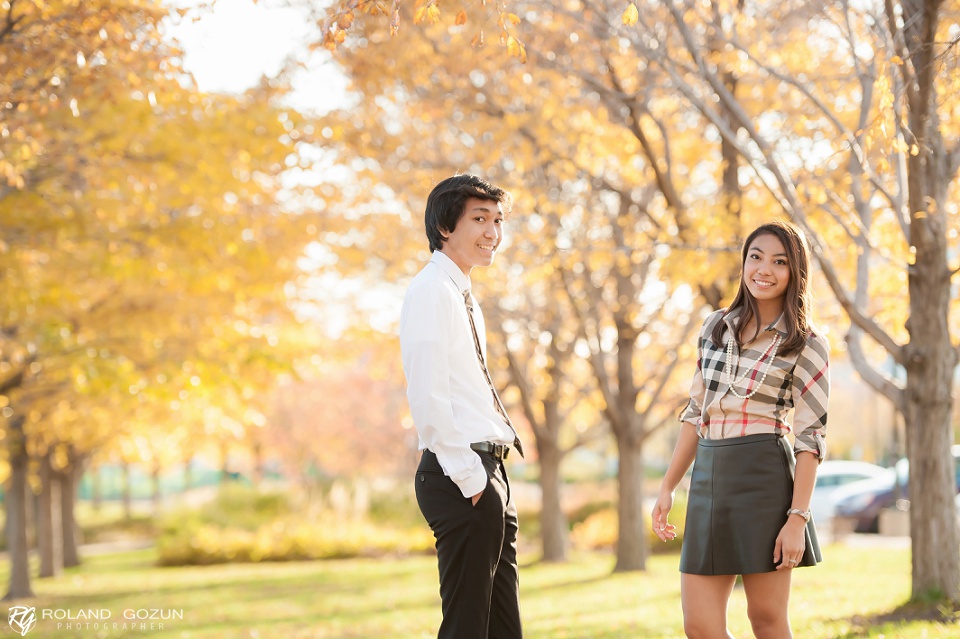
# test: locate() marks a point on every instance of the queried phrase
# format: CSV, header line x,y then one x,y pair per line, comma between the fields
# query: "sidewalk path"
x,y
102,548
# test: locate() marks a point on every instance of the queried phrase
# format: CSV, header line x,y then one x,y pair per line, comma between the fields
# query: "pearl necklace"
x,y
729,367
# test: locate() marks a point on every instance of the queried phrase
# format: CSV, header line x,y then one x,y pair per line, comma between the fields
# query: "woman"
x,y
748,507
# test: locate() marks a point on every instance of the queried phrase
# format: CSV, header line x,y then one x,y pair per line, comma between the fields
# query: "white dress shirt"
x,y
450,401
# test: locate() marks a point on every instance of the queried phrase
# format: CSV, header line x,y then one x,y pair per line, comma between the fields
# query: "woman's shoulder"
x,y
712,320
817,344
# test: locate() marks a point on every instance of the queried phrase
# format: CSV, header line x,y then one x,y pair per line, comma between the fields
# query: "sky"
x,y
227,50
236,42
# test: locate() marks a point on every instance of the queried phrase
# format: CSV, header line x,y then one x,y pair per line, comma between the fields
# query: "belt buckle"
x,y
501,451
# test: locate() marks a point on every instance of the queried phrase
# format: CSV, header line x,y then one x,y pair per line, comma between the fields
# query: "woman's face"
x,y
766,271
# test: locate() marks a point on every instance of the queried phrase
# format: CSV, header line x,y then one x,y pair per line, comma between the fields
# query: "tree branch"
x,y
876,380
596,352
786,194
664,376
521,384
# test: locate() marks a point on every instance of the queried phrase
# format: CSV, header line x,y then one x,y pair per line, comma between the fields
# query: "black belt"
x,y
499,451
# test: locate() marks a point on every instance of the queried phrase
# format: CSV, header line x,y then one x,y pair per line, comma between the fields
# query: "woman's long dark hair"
x,y
796,301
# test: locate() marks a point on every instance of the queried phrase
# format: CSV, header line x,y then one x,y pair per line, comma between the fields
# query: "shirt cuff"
x,y
691,413
473,484
814,444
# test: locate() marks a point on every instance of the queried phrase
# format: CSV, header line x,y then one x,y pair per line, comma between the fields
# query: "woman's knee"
x,y
769,622
704,629
704,601
768,598
696,629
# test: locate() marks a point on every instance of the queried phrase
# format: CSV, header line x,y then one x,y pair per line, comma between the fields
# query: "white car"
x,y
836,473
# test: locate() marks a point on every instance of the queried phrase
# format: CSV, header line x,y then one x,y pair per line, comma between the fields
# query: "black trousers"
x,y
476,552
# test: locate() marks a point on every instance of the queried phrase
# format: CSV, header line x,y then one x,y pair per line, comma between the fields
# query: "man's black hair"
x,y
447,201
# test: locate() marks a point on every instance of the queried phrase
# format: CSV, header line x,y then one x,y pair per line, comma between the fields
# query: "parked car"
x,y
862,501
834,475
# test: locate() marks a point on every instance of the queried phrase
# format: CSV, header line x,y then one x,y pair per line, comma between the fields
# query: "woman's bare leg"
x,y
705,599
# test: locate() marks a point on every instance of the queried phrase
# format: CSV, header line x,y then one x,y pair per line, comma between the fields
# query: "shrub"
x,y
597,532
103,530
584,511
245,507
396,508
244,525
287,540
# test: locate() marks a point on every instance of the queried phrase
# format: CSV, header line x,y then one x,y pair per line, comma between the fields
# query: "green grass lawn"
x,y
854,594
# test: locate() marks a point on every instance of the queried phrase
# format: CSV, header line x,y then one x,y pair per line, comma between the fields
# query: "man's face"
x,y
475,240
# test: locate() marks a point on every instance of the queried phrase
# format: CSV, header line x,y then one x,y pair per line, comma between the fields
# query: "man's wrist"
x,y
473,484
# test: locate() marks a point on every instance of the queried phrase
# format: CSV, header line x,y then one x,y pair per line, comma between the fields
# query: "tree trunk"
x,y
49,525
224,464
127,490
930,361
156,493
929,357
96,489
632,544
932,511
553,523
554,533
17,513
257,464
32,508
69,484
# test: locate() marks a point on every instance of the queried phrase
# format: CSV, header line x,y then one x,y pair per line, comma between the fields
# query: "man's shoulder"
x,y
429,302
430,281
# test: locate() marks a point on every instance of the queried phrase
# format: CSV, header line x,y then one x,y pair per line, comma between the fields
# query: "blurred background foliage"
x,y
201,288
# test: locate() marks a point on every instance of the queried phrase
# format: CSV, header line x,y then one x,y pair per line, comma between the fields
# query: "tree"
x,y
172,247
41,83
331,425
621,305
534,328
894,72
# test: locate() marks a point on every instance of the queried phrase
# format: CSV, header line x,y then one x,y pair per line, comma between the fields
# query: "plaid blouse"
x,y
799,382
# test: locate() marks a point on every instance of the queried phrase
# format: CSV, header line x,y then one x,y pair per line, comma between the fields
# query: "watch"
x,y
796,511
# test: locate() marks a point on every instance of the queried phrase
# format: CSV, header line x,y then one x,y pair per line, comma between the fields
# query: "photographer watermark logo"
x,y
22,619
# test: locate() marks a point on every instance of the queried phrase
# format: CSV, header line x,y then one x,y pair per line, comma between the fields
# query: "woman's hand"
x,y
665,531
791,542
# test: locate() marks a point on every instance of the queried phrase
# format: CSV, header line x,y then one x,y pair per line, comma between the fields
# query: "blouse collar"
x,y
732,316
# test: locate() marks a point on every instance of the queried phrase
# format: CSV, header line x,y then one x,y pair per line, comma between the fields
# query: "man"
x,y
464,432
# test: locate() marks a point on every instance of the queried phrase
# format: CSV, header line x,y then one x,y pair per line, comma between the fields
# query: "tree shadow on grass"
x,y
940,612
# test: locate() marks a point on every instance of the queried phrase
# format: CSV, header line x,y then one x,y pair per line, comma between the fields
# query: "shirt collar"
x,y
780,324
448,266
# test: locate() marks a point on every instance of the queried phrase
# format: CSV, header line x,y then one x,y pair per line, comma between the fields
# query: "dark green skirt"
x,y
740,491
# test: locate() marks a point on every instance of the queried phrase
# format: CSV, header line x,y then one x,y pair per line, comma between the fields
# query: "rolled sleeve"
x,y
693,411
811,396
